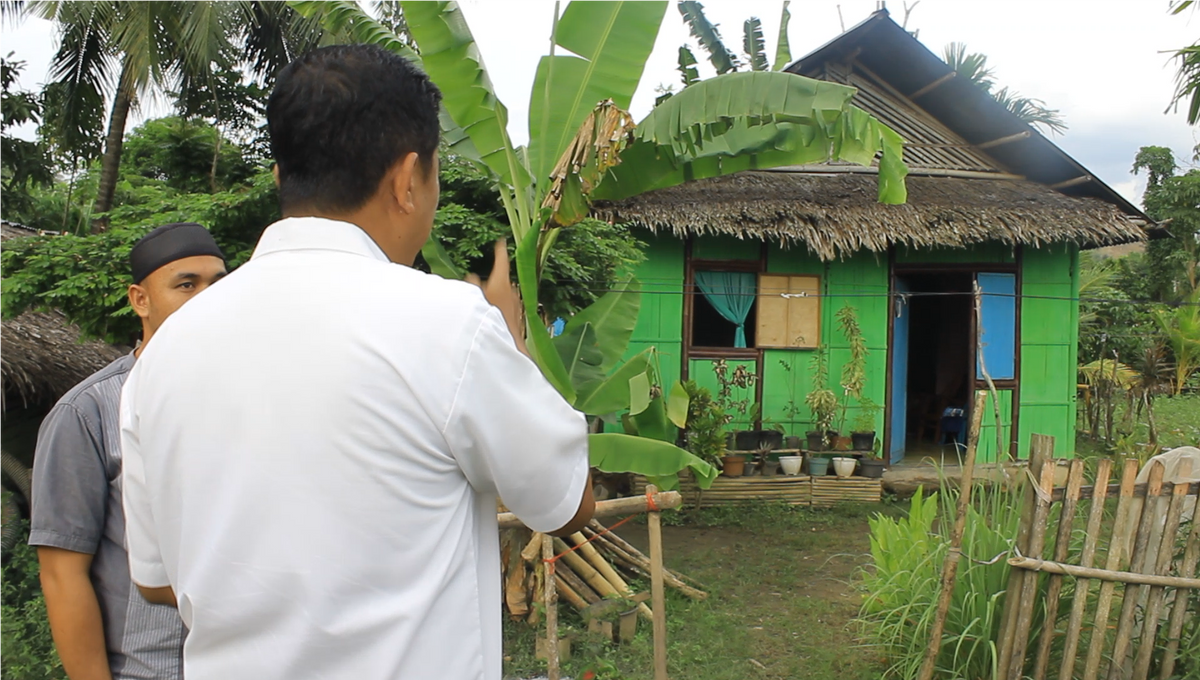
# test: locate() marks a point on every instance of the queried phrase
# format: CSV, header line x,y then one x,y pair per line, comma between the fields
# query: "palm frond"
x,y
754,45
1187,82
710,38
972,66
1032,111
272,35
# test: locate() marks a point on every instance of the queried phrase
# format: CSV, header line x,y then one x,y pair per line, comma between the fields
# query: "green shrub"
x,y
24,630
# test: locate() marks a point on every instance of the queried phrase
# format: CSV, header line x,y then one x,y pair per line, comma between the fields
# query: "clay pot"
x,y
733,466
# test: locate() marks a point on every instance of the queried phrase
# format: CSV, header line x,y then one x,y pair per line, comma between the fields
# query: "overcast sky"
x,y
1101,62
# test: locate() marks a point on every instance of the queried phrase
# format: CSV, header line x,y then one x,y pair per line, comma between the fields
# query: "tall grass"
x,y
902,588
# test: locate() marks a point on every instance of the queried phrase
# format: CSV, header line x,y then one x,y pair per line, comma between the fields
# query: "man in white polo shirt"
x,y
313,450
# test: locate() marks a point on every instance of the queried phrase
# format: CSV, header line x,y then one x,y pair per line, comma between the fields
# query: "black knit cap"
x,y
169,243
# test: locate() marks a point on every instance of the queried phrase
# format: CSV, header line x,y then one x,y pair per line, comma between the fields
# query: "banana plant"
x,y
584,146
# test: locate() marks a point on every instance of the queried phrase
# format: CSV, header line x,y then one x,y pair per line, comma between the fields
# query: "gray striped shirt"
x,y
77,507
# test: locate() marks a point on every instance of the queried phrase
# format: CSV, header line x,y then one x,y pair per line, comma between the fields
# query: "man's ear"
x,y
139,299
275,174
402,177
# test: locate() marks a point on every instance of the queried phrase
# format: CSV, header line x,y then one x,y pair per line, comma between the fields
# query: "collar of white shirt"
x,y
316,233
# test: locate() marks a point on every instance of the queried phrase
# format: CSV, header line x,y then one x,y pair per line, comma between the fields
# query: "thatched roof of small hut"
x,y
836,214
41,357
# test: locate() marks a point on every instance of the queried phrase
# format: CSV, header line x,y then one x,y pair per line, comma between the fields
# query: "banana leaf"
x,y
439,260
677,405
612,317
537,340
744,121
652,421
783,50
613,393
451,58
609,44
581,355
639,393
708,36
754,45
659,460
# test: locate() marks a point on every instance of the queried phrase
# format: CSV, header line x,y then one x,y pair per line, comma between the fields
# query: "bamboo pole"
x,y
1016,577
551,603
1062,543
589,553
950,565
615,539
1191,555
658,598
584,590
567,592
1152,516
592,577
1075,623
1166,548
1130,577
665,500
640,562
1116,558
1037,539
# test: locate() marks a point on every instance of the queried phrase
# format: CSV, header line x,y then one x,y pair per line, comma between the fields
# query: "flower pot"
x,y
770,439
746,440
818,466
730,442
792,443
770,467
842,443
863,441
750,469
844,467
814,441
733,466
872,467
791,465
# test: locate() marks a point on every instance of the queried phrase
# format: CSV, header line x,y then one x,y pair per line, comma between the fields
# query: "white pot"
x,y
790,464
844,467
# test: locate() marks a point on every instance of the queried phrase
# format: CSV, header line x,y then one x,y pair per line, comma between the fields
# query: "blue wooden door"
x,y
998,333
899,377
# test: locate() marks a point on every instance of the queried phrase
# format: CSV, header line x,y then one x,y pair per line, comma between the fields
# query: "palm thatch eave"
x,y
835,214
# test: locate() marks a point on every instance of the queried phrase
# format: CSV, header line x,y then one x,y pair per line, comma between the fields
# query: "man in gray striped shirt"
x,y
102,626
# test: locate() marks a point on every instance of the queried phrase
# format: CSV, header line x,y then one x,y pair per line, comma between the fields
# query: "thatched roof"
x,y
42,357
836,214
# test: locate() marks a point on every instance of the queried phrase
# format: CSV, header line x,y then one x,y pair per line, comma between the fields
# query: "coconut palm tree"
x,y
974,67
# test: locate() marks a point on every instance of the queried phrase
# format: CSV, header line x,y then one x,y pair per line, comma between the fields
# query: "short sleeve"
x,y
145,559
70,482
512,433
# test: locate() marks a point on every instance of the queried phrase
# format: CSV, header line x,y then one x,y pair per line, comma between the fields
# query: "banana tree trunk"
x,y
113,145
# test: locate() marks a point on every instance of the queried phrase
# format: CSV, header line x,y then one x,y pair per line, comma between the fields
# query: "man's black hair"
x,y
340,117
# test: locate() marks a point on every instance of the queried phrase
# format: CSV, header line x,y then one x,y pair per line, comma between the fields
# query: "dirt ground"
x,y
782,605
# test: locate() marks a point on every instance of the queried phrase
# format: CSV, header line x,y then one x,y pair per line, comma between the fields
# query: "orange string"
x,y
651,506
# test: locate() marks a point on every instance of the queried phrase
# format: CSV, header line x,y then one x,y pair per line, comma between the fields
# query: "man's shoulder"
x,y
100,386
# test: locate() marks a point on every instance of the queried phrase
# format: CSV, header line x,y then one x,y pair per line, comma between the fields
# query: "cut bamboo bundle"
x,y
642,565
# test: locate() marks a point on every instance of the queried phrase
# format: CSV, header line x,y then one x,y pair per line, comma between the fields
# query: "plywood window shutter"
x,y
789,311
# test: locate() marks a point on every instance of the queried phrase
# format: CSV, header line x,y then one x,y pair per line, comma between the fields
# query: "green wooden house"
x,y
751,268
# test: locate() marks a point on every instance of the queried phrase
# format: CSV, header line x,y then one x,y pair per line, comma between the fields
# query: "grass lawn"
x,y
1177,418
783,596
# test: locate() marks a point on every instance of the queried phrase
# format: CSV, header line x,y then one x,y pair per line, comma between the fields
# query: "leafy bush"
x,y
902,590
25,632
705,432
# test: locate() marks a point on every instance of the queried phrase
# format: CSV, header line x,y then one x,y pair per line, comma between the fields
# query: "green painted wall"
x,y
1049,333
1049,323
701,370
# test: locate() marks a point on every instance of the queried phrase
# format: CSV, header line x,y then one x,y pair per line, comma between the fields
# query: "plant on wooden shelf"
x,y
863,431
854,371
704,435
734,395
791,410
820,400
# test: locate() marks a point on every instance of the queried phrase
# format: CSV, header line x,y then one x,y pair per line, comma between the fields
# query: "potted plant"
x,y
704,435
734,396
791,410
820,400
872,465
844,467
818,465
863,432
854,371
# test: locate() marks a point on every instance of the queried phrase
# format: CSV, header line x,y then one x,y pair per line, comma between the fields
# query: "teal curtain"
x,y
731,294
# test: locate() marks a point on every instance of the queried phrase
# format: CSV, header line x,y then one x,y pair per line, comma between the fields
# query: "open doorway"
x,y
933,365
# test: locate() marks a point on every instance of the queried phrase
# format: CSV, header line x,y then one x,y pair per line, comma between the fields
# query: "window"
x,y
724,309
793,321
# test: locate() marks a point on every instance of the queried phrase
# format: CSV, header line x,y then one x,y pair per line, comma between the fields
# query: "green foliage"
x,y
854,371
706,33
180,154
1172,265
705,432
821,400
903,587
22,163
974,68
29,652
735,393
1181,326
1110,323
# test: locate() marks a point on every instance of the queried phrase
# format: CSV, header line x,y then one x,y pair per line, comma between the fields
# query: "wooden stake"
x,y
1116,558
1152,517
1166,548
950,565
1016,577
656,592
1191,555
1037,540
551,602
1075,623
1062,543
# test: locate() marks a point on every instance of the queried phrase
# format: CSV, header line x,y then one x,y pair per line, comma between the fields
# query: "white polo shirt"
x,y
313,450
